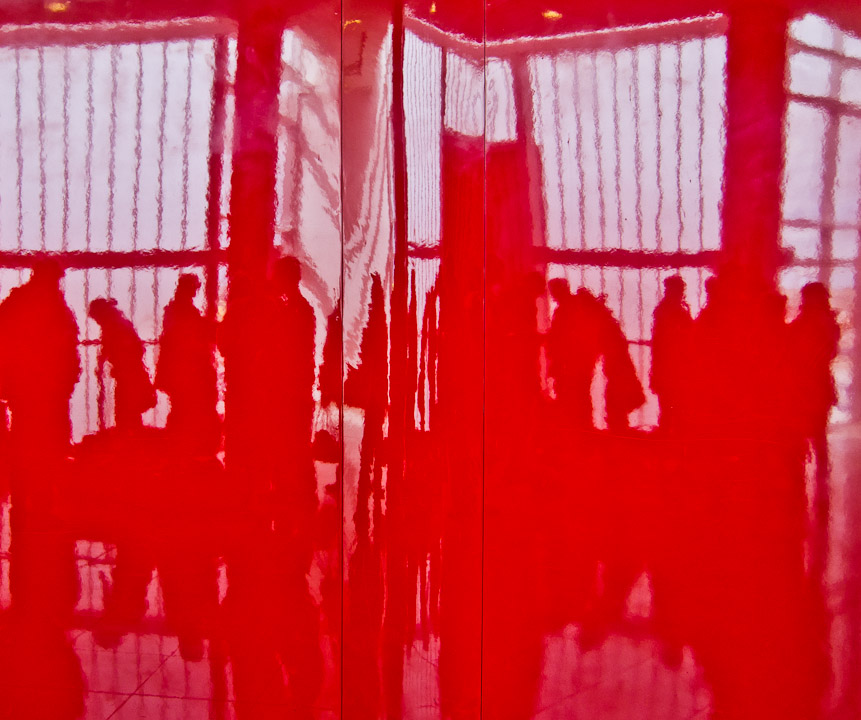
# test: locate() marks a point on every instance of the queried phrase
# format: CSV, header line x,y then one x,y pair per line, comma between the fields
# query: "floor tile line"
x,y
141,684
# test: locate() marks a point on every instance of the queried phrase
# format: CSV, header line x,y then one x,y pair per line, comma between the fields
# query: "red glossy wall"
x,y
441,360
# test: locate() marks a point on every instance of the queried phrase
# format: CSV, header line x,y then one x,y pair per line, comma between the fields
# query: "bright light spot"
x,y
57,6
552,14
433,7
347,23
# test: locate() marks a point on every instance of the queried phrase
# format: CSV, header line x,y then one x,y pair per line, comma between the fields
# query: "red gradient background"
x,y
519,378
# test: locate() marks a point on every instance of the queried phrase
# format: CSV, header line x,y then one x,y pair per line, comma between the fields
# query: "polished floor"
x,y
143,670
436,360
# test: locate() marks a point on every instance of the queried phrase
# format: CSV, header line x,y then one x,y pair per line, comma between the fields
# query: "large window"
x,y
116,150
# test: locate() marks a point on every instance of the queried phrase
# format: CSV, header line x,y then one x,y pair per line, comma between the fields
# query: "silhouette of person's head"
x,y
187,286
559,289
674,289
287,274
47,272
103,309
815,297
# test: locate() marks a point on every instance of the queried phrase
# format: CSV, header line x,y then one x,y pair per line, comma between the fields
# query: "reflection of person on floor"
x,y
813,342
124,350
272,629
671,337
740,594
186,371
40,673
164,522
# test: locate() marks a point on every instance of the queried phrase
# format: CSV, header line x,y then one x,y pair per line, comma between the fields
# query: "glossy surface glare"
x,y
433,360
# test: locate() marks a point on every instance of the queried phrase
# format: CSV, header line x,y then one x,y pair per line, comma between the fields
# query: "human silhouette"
x,y
121,347
326,444
39,366
252,422
739,381
186,371
426,387
273,622
671,338
368,387
813,343
39,362
294,343
331,382
573,348
624,391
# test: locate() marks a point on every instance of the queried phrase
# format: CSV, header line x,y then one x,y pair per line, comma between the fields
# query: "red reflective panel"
x,y
434,360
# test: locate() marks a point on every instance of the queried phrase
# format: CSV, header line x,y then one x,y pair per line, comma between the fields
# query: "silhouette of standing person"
x,y
368,387
295,331
124,350
39,362
573,349
186,370
813,342
671,337
326,445
39,367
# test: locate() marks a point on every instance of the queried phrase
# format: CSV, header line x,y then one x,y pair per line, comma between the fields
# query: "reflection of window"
x,y
468,101
422,119
480,102
631,144
307,174
110,137
822,185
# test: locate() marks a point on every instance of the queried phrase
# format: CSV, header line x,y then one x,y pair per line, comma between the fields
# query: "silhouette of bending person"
x,y
813,342
39,363
186,370
624,392
124,351
671,337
